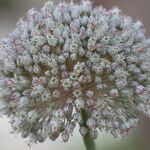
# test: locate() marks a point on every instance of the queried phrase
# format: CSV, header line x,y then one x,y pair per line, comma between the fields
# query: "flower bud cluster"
x,y
69,57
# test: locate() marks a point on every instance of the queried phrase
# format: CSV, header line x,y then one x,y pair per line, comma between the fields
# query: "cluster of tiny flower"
x,y
71,57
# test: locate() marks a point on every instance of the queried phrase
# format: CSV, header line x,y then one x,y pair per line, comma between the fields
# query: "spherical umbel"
x,y
69,57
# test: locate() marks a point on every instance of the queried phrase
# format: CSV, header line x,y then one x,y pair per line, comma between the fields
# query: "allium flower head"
x,y
66,58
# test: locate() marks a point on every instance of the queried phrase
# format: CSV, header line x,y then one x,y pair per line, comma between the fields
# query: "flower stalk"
x,y
88,140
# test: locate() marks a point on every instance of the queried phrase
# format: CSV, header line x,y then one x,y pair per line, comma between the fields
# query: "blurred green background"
x,y
10,11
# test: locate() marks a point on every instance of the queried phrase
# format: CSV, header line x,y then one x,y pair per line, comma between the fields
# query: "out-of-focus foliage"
x,y
6,3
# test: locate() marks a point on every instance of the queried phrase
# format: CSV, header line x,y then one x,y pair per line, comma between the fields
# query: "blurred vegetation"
x,y
7,4
129,144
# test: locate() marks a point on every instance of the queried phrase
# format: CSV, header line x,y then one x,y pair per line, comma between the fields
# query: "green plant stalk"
x,y
88,140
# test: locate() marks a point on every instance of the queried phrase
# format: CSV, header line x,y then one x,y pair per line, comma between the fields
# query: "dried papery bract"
x,y
67,58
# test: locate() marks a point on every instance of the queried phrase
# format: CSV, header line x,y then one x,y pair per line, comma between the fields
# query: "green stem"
x,y
88,140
